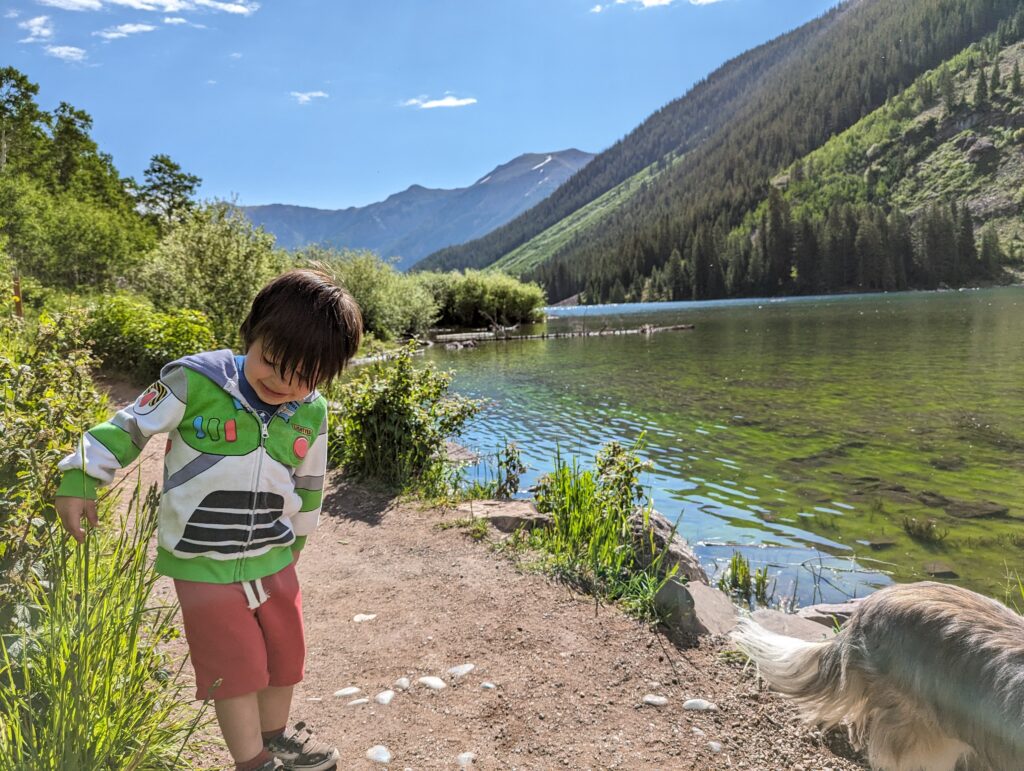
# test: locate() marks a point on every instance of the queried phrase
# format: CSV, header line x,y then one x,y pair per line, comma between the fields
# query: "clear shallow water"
x,y
798,431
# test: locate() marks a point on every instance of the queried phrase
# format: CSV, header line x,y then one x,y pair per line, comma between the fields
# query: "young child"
x,y
243,480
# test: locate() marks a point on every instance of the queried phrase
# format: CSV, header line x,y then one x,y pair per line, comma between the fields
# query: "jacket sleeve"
x,y
309,484
116,443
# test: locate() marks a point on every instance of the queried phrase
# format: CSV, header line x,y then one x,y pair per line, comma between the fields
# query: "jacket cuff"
x,y
300,543
77,484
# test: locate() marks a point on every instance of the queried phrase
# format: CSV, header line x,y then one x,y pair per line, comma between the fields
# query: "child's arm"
x,y
309,484
114,444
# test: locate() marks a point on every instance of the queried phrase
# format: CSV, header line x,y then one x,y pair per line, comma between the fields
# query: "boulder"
x,y
792,625
506,516
827,613
664,536
966,510
695,609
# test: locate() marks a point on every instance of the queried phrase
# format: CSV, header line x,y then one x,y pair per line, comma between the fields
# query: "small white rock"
x,y
314,698
401,684
433,683
378,753
350,691
357,702
654,700
461,670
697,731
715,747
466,759
384,697
699,705
488,686
361,617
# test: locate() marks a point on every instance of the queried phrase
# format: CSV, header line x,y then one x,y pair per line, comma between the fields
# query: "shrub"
x,y
130,336
479,298
213,261
47,399
392,420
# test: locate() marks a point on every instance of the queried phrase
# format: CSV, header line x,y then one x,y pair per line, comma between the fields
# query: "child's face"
x,y
265,379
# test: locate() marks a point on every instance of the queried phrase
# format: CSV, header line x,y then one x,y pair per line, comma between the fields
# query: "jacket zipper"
x,y
262,451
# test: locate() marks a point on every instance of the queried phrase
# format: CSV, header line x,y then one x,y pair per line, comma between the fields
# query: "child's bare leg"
x,y
275,702
239,720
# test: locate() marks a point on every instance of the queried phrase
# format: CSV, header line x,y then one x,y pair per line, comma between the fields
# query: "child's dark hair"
x,y
307,324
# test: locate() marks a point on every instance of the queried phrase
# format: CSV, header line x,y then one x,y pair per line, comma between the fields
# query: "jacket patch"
x,y
235,521
151,398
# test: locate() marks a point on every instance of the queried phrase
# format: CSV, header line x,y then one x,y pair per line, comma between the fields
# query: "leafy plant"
x,y
738,582
924,530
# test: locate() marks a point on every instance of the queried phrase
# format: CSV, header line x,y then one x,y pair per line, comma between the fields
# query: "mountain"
x,y
732,135
420,220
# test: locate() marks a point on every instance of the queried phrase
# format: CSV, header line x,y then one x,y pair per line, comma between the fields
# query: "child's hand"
x,y
71,511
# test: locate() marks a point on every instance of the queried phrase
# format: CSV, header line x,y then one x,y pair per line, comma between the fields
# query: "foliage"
x,y
213,261
47,397
592,541
508,471
167,193
392,420
925,530
476,298
393,304
128,335
738,582
83,683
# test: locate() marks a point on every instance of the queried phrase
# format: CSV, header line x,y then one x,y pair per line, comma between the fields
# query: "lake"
x,y
803,432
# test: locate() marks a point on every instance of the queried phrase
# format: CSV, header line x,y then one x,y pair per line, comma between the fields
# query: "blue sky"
x,y
341,103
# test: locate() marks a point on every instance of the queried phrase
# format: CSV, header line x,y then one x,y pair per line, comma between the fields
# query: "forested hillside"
x,y
843,67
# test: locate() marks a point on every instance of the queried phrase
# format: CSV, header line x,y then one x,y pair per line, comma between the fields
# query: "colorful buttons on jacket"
x,y
197,424
230,432
301,446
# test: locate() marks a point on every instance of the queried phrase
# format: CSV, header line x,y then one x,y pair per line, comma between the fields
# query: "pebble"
x,y
402,684
378,753
357,702
384,697
350,691
655,700
461,670
699,705
715,747
697,731
488,686
466,759
433,683
361,617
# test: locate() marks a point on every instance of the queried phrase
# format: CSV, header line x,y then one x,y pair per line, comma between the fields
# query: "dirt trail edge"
x,y
569,677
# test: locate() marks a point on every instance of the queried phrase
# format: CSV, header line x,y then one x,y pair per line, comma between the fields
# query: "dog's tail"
x,y
813,674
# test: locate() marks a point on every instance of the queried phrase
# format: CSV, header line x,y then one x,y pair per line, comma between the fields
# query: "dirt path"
x,y
569,677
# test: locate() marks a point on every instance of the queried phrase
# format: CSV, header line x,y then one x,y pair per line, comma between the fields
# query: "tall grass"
x,y
83,684
592,541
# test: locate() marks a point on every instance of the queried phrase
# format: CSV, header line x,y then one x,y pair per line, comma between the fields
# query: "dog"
x,y
926,676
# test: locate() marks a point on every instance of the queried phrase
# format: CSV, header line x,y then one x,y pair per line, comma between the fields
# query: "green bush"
x,y
394,304
130,336
83,684
48,397
213,261
478,298
392,420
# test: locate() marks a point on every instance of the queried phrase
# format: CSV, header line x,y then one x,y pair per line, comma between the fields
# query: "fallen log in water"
x,y
456,340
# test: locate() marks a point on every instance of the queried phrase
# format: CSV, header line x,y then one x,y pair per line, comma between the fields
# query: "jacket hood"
x,y
220,367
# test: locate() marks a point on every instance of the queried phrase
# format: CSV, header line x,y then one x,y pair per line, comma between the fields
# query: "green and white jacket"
x,y
239,494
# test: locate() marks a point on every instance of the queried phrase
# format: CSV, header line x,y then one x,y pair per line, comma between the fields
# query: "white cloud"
x,y
67,53
704,2
305,97
235,55
243,8
39,29
449,100
12,14
175,20
165,6
73,5
123,30
597,9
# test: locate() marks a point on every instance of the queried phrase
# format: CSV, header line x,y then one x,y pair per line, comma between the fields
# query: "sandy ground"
x,y
569,675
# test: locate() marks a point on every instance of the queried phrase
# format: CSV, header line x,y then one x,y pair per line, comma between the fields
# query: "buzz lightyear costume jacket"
x,y
239,494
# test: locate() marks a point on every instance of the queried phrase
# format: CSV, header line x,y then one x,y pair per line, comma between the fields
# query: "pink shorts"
x,y
237,650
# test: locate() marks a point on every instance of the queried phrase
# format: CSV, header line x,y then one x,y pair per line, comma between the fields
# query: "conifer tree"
x,y
991,252
948,90
994,82
981,90
1015,84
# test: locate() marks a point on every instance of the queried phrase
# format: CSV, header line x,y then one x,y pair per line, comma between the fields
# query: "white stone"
x,y
461,670
378,753
384,697
466,759
361,617
654,700
697,731
715,747
699,705
350,691
357,702
433,683
402,684
488,686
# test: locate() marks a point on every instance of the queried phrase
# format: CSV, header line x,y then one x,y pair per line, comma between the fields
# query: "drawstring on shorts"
x,y
255,593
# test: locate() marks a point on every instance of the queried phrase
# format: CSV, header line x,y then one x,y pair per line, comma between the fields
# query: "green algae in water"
x,y
801,431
